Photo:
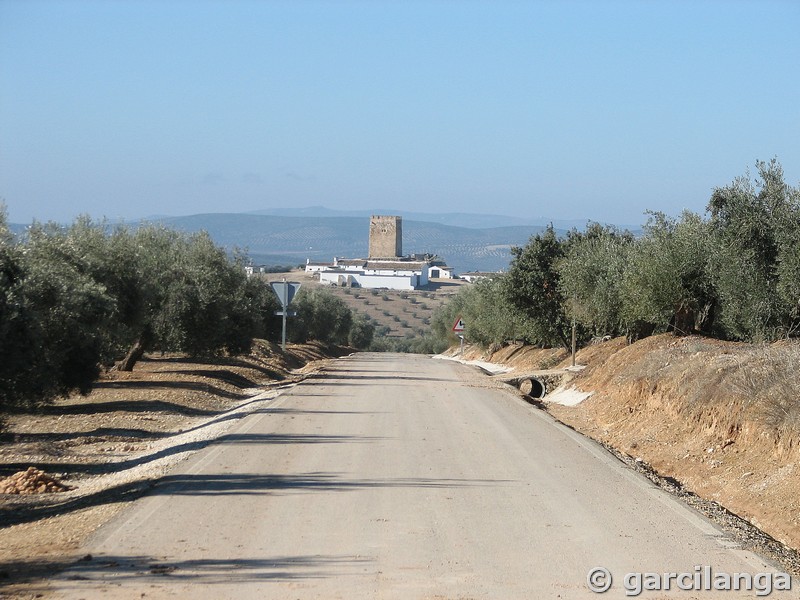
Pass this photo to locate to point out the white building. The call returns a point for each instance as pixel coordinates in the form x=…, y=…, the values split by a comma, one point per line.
x=391, y=274
x=316, y=267
x=250, y=270
x=437, y=268
x=440, y=271
x=474, y=276
x=386, y=267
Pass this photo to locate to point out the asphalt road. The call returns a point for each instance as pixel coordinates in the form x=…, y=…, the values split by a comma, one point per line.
x=395, y=476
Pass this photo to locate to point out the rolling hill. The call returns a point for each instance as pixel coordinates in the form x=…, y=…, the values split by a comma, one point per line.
x=468, y=242
x=276, y=239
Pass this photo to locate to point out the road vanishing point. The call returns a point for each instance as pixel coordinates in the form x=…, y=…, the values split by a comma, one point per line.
x=399, y=476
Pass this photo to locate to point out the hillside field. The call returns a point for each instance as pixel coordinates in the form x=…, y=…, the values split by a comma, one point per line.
x=406, y=314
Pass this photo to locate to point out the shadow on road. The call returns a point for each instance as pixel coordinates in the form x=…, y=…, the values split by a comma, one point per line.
x=224, y=484
x=102, y=468
x=380, y=379
x=298, y=411
x=151, y=571
x=238, y=484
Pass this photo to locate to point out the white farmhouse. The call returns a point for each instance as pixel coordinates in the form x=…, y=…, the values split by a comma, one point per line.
x=317, y=267
x=397, y=274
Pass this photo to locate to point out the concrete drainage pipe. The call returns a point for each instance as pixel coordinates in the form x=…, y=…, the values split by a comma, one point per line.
x=532, y=387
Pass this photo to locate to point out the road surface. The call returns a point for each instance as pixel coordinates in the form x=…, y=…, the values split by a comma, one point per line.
x=400, y=476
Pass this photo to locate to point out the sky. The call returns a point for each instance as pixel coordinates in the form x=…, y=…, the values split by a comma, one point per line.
x=594, y=110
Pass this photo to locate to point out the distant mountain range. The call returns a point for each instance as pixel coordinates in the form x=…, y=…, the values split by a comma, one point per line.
x=274, y=239
x=468, y=220
x=467, y=242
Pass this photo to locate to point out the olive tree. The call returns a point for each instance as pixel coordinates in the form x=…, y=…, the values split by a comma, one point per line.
x=666, y=284
x=362, y=332
x=531, y=287
x=754, y=261
x=55, y=318
x=590, y=278
x=490, y=319
x=190, y=296
x=320, y=316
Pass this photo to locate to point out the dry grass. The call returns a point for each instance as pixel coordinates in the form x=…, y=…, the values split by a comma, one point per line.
x=725, y=390
x=768, y=380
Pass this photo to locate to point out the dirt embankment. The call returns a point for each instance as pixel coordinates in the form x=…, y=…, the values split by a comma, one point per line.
x=721, y=418
x=69, y=468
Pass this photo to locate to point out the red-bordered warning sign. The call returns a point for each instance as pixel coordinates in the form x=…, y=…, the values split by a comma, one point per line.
x=459, y=326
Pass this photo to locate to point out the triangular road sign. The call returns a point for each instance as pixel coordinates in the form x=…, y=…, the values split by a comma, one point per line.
x=285, y=290
x=459, y=326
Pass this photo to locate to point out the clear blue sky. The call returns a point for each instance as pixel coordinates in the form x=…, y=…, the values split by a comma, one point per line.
x=596, y=110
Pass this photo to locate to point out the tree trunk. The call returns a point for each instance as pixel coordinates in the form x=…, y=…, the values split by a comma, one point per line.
x=682, y=321
x=565, y=342
x=134, y=354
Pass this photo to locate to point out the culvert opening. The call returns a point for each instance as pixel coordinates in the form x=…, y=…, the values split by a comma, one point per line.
x=532, y=387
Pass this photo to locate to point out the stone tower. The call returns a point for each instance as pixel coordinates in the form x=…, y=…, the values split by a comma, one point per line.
x=385, y=237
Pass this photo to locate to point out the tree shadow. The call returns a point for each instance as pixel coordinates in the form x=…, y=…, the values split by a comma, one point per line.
x=132, y=406
x=118, y=569
x=229, y=484
x=100, y=434
x=191, y=386
x=225, y=362
x=104, y=468
x=224, y=375
x=122, y=434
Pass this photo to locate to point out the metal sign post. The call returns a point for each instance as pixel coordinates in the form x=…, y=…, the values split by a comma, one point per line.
x=285, y=304
x=285, y=290
x=458, y=329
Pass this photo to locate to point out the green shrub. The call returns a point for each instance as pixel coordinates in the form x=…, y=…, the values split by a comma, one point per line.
x=362, y=332
x=320, y=316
